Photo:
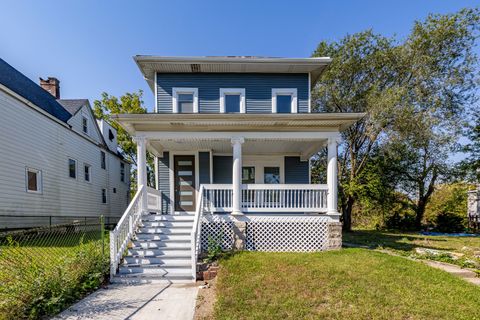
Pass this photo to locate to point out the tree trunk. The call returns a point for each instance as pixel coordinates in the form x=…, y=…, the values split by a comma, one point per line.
x=420, y=211
x=347, y=213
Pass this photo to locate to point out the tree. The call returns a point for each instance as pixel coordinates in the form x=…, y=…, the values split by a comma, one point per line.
x=423, y=83
x=469, y=169
x=357, y=80
x=128, y=103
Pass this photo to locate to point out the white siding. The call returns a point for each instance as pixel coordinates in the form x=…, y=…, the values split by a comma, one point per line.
x=76, y=122
x=30, y=139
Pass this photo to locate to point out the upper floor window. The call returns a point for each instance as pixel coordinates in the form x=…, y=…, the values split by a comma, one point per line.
x=103, y=161
x=87, y=172
x=284, y=100
x=85, y=124
x=122, y=171
x=232, y=100
x=72, y=168
x=33, y=181
x=185, y=100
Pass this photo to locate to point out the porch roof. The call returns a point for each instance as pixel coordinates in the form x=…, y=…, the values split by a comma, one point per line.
x=264, y=134
x=221, y=122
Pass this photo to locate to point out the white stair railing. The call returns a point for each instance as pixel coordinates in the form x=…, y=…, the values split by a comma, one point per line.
x=196, y=229
x=124, y=230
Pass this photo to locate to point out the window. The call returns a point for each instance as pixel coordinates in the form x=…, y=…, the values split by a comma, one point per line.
x=232, y=100
x=72, y=168
x=85, y=124
x=87, y=170
x=271, y=175
x=185, y=100
x=284, y=101
x=33, y=181
x=103, y=162
x=248, y=175
x=122, y=171
x=114, y=190
x=104, y=195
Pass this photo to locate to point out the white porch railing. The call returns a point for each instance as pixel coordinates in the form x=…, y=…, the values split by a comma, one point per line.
x=268, y=197
x=196, y=229
x=124, y=231
x=154, y=199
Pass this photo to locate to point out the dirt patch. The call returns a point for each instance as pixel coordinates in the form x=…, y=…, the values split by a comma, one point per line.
x=205, y=300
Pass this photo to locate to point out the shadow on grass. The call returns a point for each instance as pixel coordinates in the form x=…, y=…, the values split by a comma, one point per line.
x=395, y=240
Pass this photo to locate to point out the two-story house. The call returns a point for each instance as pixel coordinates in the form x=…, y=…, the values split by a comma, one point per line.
x=232, y=139
x=58, y=163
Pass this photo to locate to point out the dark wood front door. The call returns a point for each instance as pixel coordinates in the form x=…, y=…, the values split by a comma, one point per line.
x=184, y=173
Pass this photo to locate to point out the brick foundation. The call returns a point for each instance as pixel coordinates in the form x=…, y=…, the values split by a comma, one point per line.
x=334, y=234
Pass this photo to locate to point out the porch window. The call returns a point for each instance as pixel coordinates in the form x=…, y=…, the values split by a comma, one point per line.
x=284, y=100
x=33, y=180
x=232, y=100
x=271, y=175
x=185, y=100
x=72, y=168
x=248, y=175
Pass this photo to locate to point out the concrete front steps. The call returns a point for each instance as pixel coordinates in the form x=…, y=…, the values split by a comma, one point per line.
x=160, y=250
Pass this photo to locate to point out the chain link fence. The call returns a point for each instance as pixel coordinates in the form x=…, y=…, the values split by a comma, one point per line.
x=43, y=269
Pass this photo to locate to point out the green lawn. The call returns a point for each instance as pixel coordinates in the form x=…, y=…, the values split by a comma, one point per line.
x=345, y=284
x=405, y=243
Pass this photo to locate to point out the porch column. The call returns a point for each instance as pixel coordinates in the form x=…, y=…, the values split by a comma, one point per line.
x=332, y=177
x=142, y=168
x=237, y=175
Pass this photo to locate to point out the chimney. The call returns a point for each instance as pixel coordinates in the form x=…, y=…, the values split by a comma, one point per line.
x=52, y=85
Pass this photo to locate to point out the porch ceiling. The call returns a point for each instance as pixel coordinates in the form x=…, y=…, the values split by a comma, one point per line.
x=303, y=148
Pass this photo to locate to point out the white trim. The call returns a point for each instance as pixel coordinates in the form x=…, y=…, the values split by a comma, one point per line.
x=172, y=178
x=39, y=180
x=232, y=91
x=309, y=92
x=285, y=91
x=268, y=135
x=155, y=93
x=211, y=166
x=155, y=165
x=178, y=90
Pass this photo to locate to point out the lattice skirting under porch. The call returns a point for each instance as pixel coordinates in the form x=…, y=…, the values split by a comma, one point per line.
x=271, y=233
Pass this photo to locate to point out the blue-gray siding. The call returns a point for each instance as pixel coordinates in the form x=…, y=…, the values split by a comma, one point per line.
x=296, y=171
x=164, y=181
x=204, y=164
x=222, y=169
x=258, y=89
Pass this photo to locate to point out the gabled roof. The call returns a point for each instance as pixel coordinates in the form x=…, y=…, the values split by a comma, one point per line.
x=73, y=105
x=149, y=65
x=23, y=86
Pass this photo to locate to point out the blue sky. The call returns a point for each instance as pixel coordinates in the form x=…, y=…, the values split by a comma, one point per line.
x=89, y=45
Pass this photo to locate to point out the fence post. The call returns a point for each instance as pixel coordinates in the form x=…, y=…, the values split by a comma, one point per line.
x=102, y=230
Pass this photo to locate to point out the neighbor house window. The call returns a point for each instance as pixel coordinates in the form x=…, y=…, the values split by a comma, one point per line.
x=284, y=100
x=87, y=172
x=122, y=171
x=185, y=100
x=33, y=179
x=104, y=195
x=103, y=162
x=232, y=100
x=271, y=175
x=72, y=168
x=85, y=124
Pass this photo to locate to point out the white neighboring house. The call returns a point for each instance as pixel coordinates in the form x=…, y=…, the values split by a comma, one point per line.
x=58, y=163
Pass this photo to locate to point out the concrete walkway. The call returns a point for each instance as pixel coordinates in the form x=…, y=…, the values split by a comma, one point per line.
x=137, y=302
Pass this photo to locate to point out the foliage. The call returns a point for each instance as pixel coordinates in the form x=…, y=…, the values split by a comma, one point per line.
x=31, y=288
x=128, y=103
x=469, y=169
x=345, y=284
x=446, y=211
x=214, y=248
x=414, y=93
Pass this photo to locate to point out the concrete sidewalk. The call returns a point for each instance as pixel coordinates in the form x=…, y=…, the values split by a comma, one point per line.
x=137, y=302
